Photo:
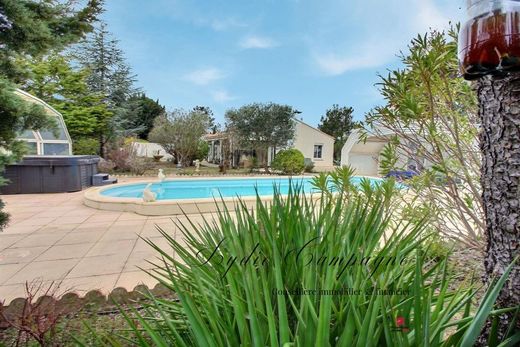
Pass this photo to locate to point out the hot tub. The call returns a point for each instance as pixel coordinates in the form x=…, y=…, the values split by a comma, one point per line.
x=50, y=174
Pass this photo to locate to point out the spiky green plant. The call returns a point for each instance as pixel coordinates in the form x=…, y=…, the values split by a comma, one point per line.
x=237, y=278
x=389, y=157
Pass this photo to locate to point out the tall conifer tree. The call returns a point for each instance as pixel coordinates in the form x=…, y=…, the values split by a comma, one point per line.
x=110, y=76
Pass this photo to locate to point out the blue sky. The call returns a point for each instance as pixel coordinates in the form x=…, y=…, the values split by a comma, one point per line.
x=307, y=54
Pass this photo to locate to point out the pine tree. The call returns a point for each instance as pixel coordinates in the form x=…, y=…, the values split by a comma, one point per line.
x=141, y=112
x=338, y=123
x=213, y=126
x=110, y=77
x=33, y=28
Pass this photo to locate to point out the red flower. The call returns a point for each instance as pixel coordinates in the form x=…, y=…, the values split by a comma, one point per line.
x=399, y=321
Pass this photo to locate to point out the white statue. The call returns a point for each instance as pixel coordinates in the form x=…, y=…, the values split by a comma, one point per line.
x=197, y=165
x=148, y=195
x=161, y=175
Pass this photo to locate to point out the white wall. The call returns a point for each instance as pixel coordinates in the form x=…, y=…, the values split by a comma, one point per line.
x=347, y=147
x=305, y=139
x=364, y=157
x=149, y=149
x=364, y=164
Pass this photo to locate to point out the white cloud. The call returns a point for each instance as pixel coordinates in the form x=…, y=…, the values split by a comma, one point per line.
x=196, y=13
x=260, y=42
x=222, y=96
x=204, y=76
x=332, y=64
x=368, y=56
x=222, y=24
x=378, y=39
x=428, y=15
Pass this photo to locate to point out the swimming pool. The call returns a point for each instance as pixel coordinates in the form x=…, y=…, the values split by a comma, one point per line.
x=193, y=195
x=211, y=188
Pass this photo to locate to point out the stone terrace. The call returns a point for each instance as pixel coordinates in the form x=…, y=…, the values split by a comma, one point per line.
x=54, y=237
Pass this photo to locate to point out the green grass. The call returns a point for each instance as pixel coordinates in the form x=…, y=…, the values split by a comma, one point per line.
x=170, y=169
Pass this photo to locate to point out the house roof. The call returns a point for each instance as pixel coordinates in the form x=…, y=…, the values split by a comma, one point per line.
x=216, y=136
x=223, y=134
x=313, y=128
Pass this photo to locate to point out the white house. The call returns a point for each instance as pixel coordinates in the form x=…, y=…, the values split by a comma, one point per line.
x=363, y=154
x=315, y=145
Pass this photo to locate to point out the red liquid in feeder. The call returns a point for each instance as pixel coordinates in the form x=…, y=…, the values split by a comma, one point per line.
x=490, y=44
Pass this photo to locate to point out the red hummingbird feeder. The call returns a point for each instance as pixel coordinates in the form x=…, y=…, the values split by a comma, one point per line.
x=489, y=43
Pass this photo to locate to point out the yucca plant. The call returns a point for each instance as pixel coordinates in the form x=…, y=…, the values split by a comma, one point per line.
x=305, y=271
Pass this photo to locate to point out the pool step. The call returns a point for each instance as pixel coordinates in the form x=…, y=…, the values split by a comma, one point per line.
x=102, y=179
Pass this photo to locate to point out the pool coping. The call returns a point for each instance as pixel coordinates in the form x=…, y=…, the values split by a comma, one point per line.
x=94, y=199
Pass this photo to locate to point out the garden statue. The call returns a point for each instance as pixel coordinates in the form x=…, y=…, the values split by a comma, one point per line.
x=148, y=195
x=197, y=165
x=157, y=156
x=161, y=175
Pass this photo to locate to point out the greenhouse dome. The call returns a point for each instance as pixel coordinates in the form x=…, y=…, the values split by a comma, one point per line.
x=45, y=142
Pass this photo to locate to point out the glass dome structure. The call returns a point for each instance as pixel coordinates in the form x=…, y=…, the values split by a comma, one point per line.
x=45, y=142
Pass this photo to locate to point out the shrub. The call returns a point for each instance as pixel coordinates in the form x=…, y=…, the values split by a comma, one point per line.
x=254, y=164
x=119, y=156
x=179, y=133
x=432, y=137
x=38, y=320
x=106, y=166
x=309, y=165
x=289, y=162
x=202, y=150
x=125, y=159
x=137, y=165
x=4, y=217
x=86, y=146
x=239, y=281
x=43, y=319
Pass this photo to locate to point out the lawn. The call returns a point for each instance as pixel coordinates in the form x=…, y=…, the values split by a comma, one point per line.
x=170, y=169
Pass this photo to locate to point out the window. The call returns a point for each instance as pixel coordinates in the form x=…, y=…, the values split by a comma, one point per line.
x=55, y=149
x=28, y=134
x=47, y=134
x=46, y=141
x=32, y=148
x=318, y=150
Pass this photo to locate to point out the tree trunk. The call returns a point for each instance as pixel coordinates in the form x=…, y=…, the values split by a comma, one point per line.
x=102, y=147
x=499, y=111
x=266, y=160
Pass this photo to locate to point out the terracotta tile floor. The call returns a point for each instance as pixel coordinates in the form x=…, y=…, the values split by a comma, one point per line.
x=54, y=237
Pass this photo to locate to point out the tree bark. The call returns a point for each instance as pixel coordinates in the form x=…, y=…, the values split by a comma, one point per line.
x=102, y=147
x=499, y=111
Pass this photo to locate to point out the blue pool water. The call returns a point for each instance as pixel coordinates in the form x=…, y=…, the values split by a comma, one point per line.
x=209, y=188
